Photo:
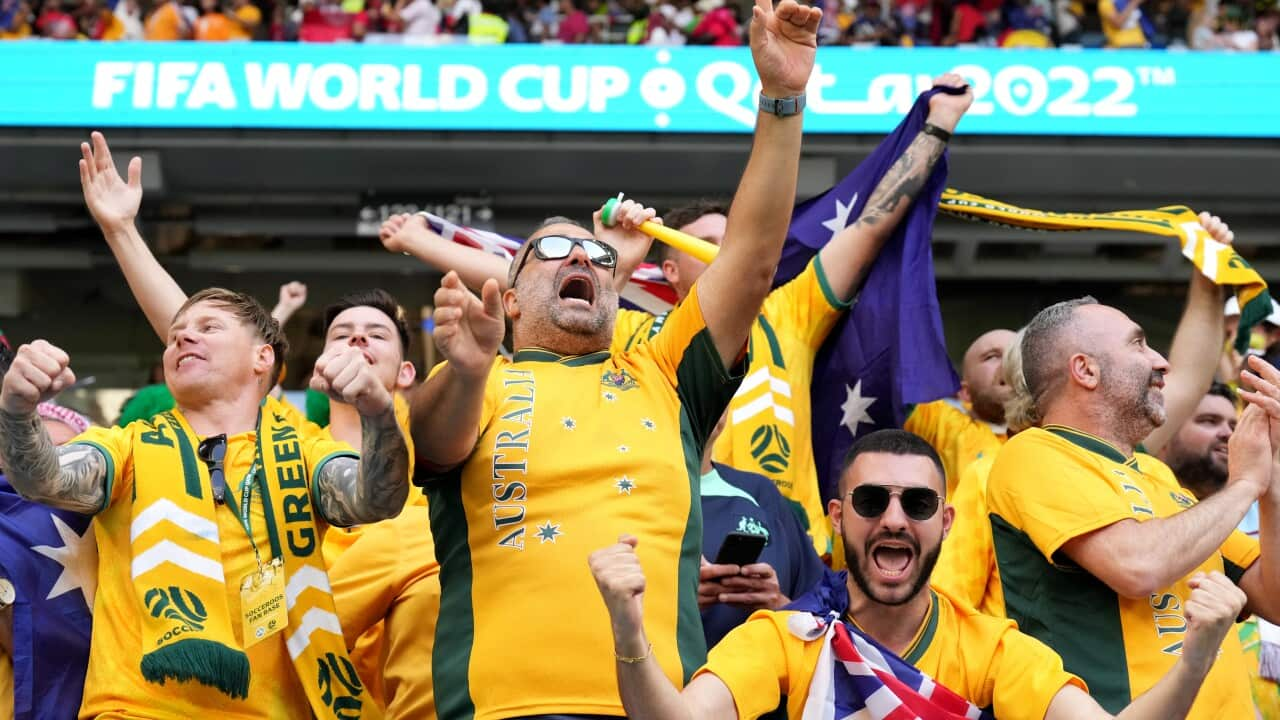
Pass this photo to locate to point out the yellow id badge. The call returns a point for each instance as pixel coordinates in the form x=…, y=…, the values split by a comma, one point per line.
x=262, y=602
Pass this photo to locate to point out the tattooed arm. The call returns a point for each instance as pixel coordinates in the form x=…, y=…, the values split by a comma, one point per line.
x=846, y=259
x=374, y=488
x=72, y=477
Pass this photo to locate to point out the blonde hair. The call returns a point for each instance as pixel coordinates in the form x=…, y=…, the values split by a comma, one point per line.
x=1020, y=410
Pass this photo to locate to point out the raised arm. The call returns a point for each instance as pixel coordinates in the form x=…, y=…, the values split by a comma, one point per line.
x=1261, y=581
x=71, y=477
x=113, y=203
x=846, y=259
x=1196, y=348
x=1136, y=559
x=783, y=42
x=445, y=410
x=646, y=692
x=375, y=487
x=293, y=295
x=409, y=234
x=1210, y=611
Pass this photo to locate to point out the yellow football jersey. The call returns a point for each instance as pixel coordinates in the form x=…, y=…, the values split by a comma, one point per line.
x=386, y=589
x=769, y=430
x=380, y=569
x=959, y=437
x=572, y=453
x=6, y=685
x=981, y=658
x=1051, y=485
x=114, y=685
x=966, y=567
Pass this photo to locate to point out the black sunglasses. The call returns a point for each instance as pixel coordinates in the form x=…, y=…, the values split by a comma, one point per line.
x=212, y=451
x=558, y=247
x=870, y=501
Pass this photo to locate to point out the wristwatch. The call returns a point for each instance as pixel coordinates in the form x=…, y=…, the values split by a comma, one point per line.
x=782, y=107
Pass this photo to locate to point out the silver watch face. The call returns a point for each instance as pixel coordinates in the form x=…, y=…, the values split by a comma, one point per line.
x=7, y=593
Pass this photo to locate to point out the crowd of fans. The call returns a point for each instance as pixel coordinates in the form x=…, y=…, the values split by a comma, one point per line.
x=1123, y=513
x=1242, y=25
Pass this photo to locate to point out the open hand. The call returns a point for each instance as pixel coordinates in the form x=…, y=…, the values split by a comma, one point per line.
x=783, y=43
x=112, y=201
x=469, y=330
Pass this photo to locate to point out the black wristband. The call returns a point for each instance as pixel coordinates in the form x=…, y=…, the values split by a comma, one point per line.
x=934, y=130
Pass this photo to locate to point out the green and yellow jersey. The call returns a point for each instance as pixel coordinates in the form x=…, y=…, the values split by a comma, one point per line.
x=983, y=659
x=1051, y=485
x=573, y=452
x=114, y=685
x=769, y=429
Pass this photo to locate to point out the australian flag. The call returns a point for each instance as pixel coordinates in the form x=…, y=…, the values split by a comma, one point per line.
x=889, y=353
x=857, y=677
x=50, y=559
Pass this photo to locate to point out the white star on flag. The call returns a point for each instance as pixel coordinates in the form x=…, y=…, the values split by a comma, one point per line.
x=841, y=220
x=855, y=408
x=78, y=557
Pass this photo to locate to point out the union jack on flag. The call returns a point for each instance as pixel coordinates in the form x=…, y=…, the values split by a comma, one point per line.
x=859, y=679
x=648, y=290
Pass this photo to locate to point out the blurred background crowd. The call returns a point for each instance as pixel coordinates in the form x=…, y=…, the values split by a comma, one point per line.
x=1238, y=25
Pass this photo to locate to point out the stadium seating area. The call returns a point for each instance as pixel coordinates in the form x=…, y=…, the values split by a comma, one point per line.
x=1237, y=25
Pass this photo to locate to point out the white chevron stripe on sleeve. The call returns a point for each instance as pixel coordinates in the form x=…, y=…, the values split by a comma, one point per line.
x=309, y=576
x=162, y=510
x=166, y=551
x=315, y=619
x=759, y=405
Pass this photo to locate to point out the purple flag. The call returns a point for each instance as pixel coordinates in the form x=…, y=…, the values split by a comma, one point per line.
x=889, y=353
x=50, y=558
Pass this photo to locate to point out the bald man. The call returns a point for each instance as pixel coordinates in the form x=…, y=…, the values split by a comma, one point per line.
x=1095, y=542
x=970, y=426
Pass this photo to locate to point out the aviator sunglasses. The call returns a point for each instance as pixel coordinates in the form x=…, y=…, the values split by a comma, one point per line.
x=870, y=501
x=558, y=247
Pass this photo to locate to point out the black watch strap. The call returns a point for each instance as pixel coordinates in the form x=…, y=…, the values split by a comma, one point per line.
x=934, y=130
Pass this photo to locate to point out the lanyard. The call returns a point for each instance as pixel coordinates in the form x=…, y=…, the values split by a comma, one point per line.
x=251, y=479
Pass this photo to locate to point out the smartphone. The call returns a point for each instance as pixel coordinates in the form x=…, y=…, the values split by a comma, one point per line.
x=740, y=549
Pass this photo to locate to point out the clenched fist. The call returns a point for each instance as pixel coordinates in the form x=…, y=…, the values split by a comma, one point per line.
x=1211, y=610
x=38, y=373
x=621, y=581
x=346, y=375
x=399, y=230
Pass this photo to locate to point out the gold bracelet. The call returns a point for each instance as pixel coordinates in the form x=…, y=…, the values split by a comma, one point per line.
x=634, y=660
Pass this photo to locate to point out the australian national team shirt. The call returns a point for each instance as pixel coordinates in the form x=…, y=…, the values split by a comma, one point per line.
x=573, y=452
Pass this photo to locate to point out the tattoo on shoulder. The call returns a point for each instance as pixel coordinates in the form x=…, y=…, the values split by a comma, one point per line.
x=372, y=488
x=71, y=477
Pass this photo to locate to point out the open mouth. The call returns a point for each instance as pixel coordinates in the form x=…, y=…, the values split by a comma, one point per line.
x=182, y=359
x=892, y=559
x=578, y=289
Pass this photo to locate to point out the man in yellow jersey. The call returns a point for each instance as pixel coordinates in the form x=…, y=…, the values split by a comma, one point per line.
x=544, y=456
x=1096, y=545
x=768, y=430
x=967, y=567
x=967, y=564
x=970, y=426
x=973, y=425
x=892, y=518
x=375, y=575
x=1197, y=455
x=212, y=595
